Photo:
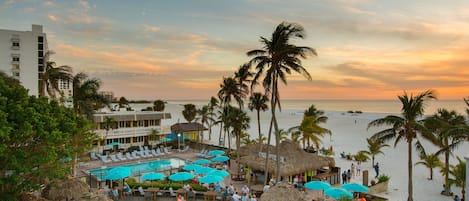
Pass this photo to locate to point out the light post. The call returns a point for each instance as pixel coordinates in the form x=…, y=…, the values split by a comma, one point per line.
x=179, y=140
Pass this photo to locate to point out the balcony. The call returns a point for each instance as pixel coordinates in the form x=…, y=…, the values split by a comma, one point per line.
x=133, y=132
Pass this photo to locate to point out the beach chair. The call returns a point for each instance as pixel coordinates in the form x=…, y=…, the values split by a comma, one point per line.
x=148, y=153
x=166, y=151
x=202, y=153
x=140, y=148
x=104, y=159
x=142, y=154
x=129, y=156
x=134, y=154
x=158, y=151
x=154, y=152
x=186, y=148
x=121, y=157
x=93, y=156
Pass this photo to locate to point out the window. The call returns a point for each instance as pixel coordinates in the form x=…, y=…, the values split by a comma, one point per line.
x=15, y=66
x=17, y=74
x=40, y=39
x=40, y=68
x=40, y=53
x=15, y=58
x=15, y=44
x=40, y=61
x=40, y=46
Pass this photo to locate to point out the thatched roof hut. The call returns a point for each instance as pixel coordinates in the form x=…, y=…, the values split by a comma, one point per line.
x=295, y=160
x=283, y=192
x=70, y=189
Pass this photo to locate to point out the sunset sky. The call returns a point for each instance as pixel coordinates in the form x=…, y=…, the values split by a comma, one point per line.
x=182, y=49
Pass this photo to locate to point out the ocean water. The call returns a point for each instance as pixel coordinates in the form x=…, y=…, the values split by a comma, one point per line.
x=368, y=106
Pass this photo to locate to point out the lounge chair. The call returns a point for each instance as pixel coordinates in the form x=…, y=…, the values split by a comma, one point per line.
x=158, y=151
x=129, y=156
x=113, y=158
x=104, y=159
x=166, y=151
x=186, y=148
x=154, y=152
x=202, y=153
x=134, y=154
x=143, y=154
x=93, y=156
x=148, y=153
x=121, y=157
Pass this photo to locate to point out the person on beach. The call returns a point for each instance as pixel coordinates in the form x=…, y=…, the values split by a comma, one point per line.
x=180, y=198
x=376, y=170
x=456, y=198
x=349, y=175
x=344, y=177
x=359, y=168
x=353, y=170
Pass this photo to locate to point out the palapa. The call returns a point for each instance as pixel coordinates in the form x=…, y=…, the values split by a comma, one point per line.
x=70, y=189
x=296, y=161
x=283, y=192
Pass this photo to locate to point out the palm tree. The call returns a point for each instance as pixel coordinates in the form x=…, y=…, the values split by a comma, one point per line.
x=296, y=136
x=203, y=116
x=109, y=123
x=189, y=112
x=278, y=58
x=243, y=76
x=51, y=76
x=448, y=128
x=245, y=139
x=405, y=127
x=230, y=89
x=158, y=105
x=374, y=148
x=123, y=102
x=238, y=122
x=258, y=102
x=154, y=135
x=283, y=135
x=458, y=172
x=86, y=96
x=430, y=161
x=211, y=111
x=310, y=128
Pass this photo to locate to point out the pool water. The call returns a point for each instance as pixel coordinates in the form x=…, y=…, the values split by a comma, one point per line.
x=139, y=168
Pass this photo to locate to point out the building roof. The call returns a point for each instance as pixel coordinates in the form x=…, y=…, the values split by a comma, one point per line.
x=134, y=116
x=185, y=127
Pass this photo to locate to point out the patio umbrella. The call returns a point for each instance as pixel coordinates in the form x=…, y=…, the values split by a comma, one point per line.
x=153, y=176
x=181, y=176
x=337, y=193
x=210, y=179
x=221, y=158
x=202, y=161
x=166, y=139
x=191, y=167
x=354, y=187
x=221, y=173
x=203, y=170
x=216, y=152
x=118, y=173
x=113, y=144
x=317, y=185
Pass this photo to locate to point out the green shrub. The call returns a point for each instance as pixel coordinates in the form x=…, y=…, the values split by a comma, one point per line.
x=343, y=198
x=383, y=178
x=372, y=182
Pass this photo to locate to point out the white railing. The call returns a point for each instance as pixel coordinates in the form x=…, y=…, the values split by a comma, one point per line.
x=133, y=132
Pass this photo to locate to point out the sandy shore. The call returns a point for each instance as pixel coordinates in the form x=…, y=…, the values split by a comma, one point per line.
x=349, y=133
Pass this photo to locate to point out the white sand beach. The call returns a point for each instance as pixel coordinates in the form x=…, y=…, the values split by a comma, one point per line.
x=349, y=134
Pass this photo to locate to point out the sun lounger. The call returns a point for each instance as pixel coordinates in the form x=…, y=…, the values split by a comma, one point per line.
x=158, y=151
x=186, y=148
x=129, y=156
x=93, y=156
x=104, y=159
x=154, y=153
x=166, y=151
x=113, y=158
x=134, y=154
x=121, y=157
x=202, y=153
x=148, y=153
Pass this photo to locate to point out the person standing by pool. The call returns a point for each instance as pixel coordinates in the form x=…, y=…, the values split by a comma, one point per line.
x=115, y=194
x=376, y=170
x=359, y=168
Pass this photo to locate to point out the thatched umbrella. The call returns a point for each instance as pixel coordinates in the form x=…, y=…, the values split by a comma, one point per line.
x=283, y=192
x=69, y=189
x=296, y=160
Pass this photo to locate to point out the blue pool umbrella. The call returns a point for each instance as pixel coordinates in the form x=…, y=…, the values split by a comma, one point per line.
x=210, y=179
x=216, y=152
x=203, y=170
x=202, y=161
x=191, y=167
x=337, y=193
x=153, y=176
x=118, y=173
x=354, y=187
x=221, y=158
x=165, y=139
x=317, y=185
x=221, y=173
x=113, y=144
x=181, y=176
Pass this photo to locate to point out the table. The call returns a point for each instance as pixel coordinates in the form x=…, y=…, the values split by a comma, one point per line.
x=154, y=193
x=237, y=176
x=210, y=195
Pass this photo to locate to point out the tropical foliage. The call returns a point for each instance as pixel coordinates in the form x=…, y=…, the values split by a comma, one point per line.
x=310, y=127
x=52, y=75
x=374, y=148
x=274, y=62
x=86, y=96
x=458, y=172
x=189, y=112
x=258, y=102
x=405, y=127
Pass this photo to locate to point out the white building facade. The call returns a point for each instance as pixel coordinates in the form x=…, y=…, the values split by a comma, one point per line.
x=22, y=56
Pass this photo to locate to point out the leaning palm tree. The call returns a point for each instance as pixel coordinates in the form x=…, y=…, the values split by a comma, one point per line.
x=277, y=59
x=405, y=127
x=374, y=148
x=448, y=129
x=258, y=102
x=86, y=96
x=52, y=75
x=458, y=172
x=243, y=76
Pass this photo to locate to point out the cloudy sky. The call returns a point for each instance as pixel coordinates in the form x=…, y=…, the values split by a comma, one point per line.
x=182, y=49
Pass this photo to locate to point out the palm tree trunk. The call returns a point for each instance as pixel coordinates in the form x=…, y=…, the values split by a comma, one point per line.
x=219, y=137
x=259, y=126
x=238, y=144
x=431, y=173
x=267, y=152
x=210, y=132
x=229, y=141
x=446, y=172
x=409, y=165
x=277, y=147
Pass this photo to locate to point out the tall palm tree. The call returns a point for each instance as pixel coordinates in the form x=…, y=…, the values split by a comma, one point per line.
x=229, y=90
x=51, y=76
x=448, y=128
x=238, y=122
x=189, y=112
x=108, y=124
x=277, y=59
x=458, y=172
x=203, y=116
x=212, y=105
x=374, y=148
x=258, y=102
x=405, y=127
x=86, y=96
x=243, y=76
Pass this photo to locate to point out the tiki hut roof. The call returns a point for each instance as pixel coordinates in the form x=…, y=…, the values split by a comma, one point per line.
x=187, y=127
x=71, y=189
x=294, y=160
x=283, y=192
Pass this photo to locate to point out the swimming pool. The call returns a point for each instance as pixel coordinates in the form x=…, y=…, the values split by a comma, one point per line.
x=139, y=168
